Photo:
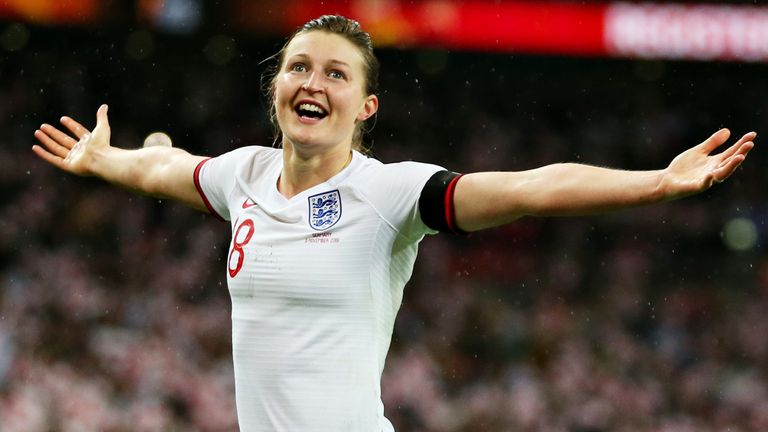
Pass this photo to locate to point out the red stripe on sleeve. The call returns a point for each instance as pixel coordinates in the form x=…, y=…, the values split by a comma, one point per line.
x=202, y=194
x=450, y=212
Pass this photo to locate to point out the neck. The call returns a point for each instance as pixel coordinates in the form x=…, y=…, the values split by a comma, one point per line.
x=301, y=172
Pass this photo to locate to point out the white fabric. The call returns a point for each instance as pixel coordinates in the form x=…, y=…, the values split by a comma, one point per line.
x=313, y=308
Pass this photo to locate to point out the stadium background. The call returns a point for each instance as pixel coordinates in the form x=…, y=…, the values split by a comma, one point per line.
x=114, y=314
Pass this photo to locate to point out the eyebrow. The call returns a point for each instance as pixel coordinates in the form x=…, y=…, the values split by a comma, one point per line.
x=337, y=62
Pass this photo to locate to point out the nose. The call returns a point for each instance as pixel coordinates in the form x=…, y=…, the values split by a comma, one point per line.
x=312, y=84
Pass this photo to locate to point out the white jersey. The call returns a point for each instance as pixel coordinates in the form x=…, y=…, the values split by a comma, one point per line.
x=316, y=282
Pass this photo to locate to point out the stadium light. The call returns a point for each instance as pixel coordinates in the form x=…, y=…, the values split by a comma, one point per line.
x=618, y=29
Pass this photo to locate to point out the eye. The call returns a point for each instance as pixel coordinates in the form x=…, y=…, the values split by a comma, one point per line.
x=336, y=74
x=298, y=67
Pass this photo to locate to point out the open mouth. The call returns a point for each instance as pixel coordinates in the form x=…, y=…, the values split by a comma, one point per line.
x=310, y=111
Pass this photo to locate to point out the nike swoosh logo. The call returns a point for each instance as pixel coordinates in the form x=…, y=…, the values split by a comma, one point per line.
x=247, y=204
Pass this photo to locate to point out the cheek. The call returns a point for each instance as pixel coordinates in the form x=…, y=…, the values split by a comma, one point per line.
x=349, y=101
x=282, y=89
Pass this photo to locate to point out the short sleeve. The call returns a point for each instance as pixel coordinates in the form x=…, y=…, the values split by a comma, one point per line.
x=215, y=179
x=394, y=190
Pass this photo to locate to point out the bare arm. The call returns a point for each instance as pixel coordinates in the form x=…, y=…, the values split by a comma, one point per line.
x=488, y=199
x=163, y=172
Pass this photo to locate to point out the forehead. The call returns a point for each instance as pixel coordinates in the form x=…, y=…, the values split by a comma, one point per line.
x=324, y=47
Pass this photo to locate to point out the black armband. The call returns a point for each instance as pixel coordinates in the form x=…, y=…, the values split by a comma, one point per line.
x=436, y=202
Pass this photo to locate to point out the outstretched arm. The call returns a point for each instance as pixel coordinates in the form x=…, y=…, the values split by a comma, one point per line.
x=162, y=172
x=488, y=199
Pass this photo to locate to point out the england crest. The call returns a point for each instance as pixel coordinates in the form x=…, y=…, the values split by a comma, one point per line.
x=324, y=210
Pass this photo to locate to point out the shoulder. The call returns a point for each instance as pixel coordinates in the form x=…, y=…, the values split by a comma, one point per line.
x=373, y=177
x=393, y=191
x=246, y=162
x=399, y=172
x=247, y=159
x=250, y=152
x=372, y=166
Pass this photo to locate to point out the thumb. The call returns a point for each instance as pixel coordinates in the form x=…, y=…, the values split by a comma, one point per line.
x=716, y=140
x=101, y=116
x=102, y=122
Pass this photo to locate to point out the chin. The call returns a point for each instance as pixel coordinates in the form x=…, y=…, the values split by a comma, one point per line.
x=312, y=138
x=305, y=141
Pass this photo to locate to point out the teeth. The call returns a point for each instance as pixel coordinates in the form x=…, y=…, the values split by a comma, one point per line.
x=310, y=107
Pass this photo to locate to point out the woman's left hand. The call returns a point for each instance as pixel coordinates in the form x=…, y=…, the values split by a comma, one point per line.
x=696, y=169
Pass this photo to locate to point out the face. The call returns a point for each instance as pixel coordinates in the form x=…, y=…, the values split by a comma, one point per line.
x=320, y=92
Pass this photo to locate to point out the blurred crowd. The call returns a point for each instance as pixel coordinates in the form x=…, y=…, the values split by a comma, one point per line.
x=114, y=311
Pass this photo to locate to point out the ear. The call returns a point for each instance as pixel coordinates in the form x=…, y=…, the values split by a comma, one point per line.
x=370, y=107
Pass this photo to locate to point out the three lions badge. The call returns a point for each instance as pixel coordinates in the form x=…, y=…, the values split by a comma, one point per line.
x=324, y=210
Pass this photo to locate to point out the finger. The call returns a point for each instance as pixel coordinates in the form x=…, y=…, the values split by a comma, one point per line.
x=101, y=115
x=76, y=128
x=736, y=148
x=49, y=157
x=743, y=150
x=726, y=170
x=58, y=136
x=102, y=122
x=51, y=145
x=716, y=140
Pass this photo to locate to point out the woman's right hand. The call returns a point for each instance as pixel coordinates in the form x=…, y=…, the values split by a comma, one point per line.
x=69, y=154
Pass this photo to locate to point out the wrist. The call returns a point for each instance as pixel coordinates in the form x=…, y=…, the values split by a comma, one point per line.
x=96, y=162
x=665, y=190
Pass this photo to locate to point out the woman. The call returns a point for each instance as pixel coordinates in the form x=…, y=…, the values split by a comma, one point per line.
x=324, y=238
